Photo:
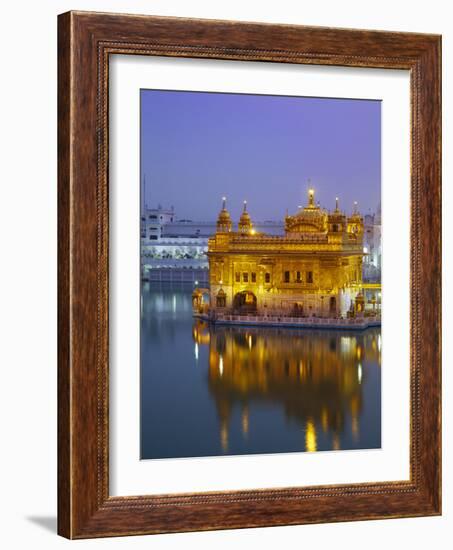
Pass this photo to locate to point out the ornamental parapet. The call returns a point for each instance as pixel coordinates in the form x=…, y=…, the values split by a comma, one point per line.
x=282, y=244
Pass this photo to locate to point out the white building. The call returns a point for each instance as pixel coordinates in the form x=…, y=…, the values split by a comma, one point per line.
x=167, y=240
x=372, y=246
x=153, y=220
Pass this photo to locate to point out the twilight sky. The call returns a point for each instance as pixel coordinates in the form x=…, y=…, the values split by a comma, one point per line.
x=198, y=146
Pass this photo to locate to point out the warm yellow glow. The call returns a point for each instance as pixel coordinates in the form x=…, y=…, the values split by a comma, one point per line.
x=324, y=419
x=300, y=367
x=355, y=428
x=245, y=421
x=310, y=437
x=224, y=437
x=336, y=443
x=236, y=265
x=311, y=368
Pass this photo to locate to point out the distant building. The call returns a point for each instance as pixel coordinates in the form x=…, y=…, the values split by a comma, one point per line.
x=372, y=246
x=170, y=243
x=153, y=221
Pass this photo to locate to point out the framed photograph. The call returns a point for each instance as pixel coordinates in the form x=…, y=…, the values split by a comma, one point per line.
x=249, y=275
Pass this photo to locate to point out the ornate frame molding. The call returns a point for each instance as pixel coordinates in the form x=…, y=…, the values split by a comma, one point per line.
x=86, y=40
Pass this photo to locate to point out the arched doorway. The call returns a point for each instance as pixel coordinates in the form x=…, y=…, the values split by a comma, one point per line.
x=333, y=304
x=298, y=309
x=245, y=302
x=221, y=298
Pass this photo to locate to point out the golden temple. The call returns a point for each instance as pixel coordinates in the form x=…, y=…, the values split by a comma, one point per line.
x=313, y=270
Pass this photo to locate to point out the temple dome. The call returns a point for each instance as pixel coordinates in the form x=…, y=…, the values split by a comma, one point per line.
x=310, y=219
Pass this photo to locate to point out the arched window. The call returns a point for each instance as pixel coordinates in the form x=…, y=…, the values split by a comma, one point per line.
x=221, y=298
x=333, y=304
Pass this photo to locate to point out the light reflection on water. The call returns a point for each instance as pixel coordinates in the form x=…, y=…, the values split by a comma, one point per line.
x=239, y=390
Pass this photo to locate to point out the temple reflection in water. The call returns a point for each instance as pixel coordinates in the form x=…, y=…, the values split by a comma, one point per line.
x=315, y=377
x=210, y=390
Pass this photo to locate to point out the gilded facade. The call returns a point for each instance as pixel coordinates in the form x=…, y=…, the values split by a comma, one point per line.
x=314, y=269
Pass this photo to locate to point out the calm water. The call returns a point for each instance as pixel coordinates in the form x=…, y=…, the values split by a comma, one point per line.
x=221, y=390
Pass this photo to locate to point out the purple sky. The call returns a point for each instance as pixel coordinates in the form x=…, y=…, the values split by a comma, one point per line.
x=197, y=147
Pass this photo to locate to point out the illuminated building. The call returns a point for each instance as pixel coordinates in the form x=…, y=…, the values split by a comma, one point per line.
x=314, y=269
x=175, y=249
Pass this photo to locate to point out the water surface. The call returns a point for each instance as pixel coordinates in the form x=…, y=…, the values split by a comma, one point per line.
x=209, y=391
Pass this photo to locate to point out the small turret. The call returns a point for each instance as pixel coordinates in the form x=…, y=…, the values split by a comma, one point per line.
x=224, y=220
x=245, y=223
x=337, y=220
x=355, y=223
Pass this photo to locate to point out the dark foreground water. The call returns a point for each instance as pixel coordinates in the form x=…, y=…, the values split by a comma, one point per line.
x=221, y=390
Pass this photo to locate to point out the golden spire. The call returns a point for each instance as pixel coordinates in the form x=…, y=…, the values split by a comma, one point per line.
x=245, y=223
x=311, y=197
x=336, y=204
x=224, y=220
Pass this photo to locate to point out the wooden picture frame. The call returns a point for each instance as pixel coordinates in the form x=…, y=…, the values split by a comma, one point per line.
x=85, y=42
